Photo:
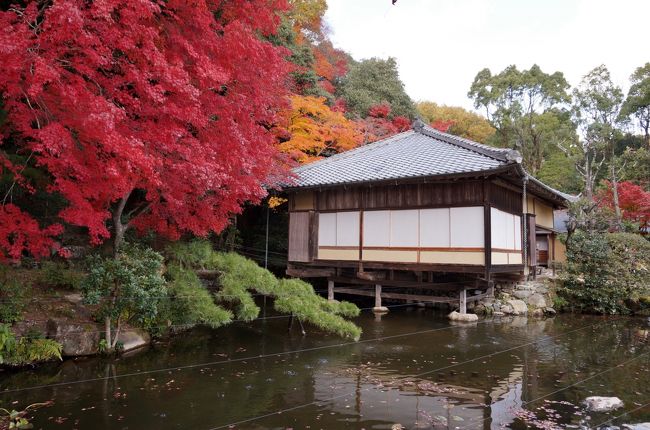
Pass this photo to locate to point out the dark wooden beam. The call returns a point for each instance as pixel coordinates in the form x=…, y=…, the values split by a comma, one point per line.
x=310, y=272
x=402, y=296
x=444, y=268
x=444, y=286
x=510, y=268
x=313, y=235
x=372, y=276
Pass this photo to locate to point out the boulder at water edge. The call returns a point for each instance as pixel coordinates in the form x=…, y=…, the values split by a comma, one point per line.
x=77, y=339
x=456, y=316
x=518, y=307
x=537, y=301
x=133, y=339
x=603, y=404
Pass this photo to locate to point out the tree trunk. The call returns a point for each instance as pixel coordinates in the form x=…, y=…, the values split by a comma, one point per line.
x=118, y=227
x=107, y=332
x=589, y=193
x=617, y=206
x=116, y=334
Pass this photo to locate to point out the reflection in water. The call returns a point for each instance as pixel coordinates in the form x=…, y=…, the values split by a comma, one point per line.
x=461, y=376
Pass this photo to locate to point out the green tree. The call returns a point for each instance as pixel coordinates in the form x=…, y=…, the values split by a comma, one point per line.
x=635, y=166
x=637, y=103
x=127, y=288
x=372, y=82
x=521, y=105
x=597, y=106
x=559, y=172
x=304, y=77
x=461, y=122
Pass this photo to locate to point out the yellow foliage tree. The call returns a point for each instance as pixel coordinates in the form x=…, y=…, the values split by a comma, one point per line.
x=308, y=14
x=315, y=130
x=460, y=122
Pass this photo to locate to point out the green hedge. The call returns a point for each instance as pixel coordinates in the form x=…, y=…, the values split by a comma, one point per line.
x=606, y=273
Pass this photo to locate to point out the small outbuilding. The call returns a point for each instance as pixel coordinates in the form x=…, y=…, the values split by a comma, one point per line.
x=421, y=210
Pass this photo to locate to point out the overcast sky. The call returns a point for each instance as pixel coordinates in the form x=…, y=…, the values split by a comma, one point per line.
x=440, y=45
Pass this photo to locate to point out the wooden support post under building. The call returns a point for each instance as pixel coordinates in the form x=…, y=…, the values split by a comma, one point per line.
x=330, y=290
x=463, y=301
x=490, y=289
x=378, y=307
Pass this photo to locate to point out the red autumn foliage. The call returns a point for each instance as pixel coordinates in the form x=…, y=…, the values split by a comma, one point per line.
x=19, y=232
x=401, y=123
x=327, y=86
x=157, y=111
x=340, y=106
x=442, y=125
x=379, y=111
x=330, y=63
x=378, y=126
x=634, y=202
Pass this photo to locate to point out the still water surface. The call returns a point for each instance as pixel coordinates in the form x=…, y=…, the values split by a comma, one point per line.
x=425, y=373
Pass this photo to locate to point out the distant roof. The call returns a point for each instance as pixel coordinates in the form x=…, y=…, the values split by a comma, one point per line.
x=418, y=153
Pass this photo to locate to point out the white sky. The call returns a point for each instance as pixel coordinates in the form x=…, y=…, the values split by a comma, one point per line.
x=440, y=45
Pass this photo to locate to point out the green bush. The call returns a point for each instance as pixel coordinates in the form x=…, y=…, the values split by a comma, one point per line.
x=13, y=297
x=26, y=350
x=129, y=289
x=607, y=273
x=60, y=275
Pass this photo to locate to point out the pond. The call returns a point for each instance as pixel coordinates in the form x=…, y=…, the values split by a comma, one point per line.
x=412, y=368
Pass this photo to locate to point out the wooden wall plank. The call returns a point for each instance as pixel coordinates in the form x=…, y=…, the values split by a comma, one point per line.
x=300, y=240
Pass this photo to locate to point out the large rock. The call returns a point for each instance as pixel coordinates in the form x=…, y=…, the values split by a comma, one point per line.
x=518, y=307
x=77, y=339
x=133, y=339
x=550, y=311
x=542, y=289
x=522, y=294
x=538, y=312
x=456, y=316
x=537, y=300
x=603, y=404
x=506, y=309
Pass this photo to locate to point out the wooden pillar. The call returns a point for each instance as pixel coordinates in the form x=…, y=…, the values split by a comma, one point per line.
x=377, y=296
x=490, y=289
x=330, y=290
x=378, y=307
x=487, y=231
x=553, y=251
x=463, y=301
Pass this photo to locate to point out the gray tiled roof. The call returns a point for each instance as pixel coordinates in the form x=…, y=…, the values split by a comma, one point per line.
x=420, y=152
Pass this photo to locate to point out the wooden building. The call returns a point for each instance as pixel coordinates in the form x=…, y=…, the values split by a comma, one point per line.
x=421, y=210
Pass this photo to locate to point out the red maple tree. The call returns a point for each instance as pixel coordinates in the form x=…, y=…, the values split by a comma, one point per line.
x=443, y=125
x=379, y=125
x=634, y=202
x=145, y=114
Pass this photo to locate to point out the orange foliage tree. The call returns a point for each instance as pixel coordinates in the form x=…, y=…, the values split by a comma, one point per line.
x=313, y=130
